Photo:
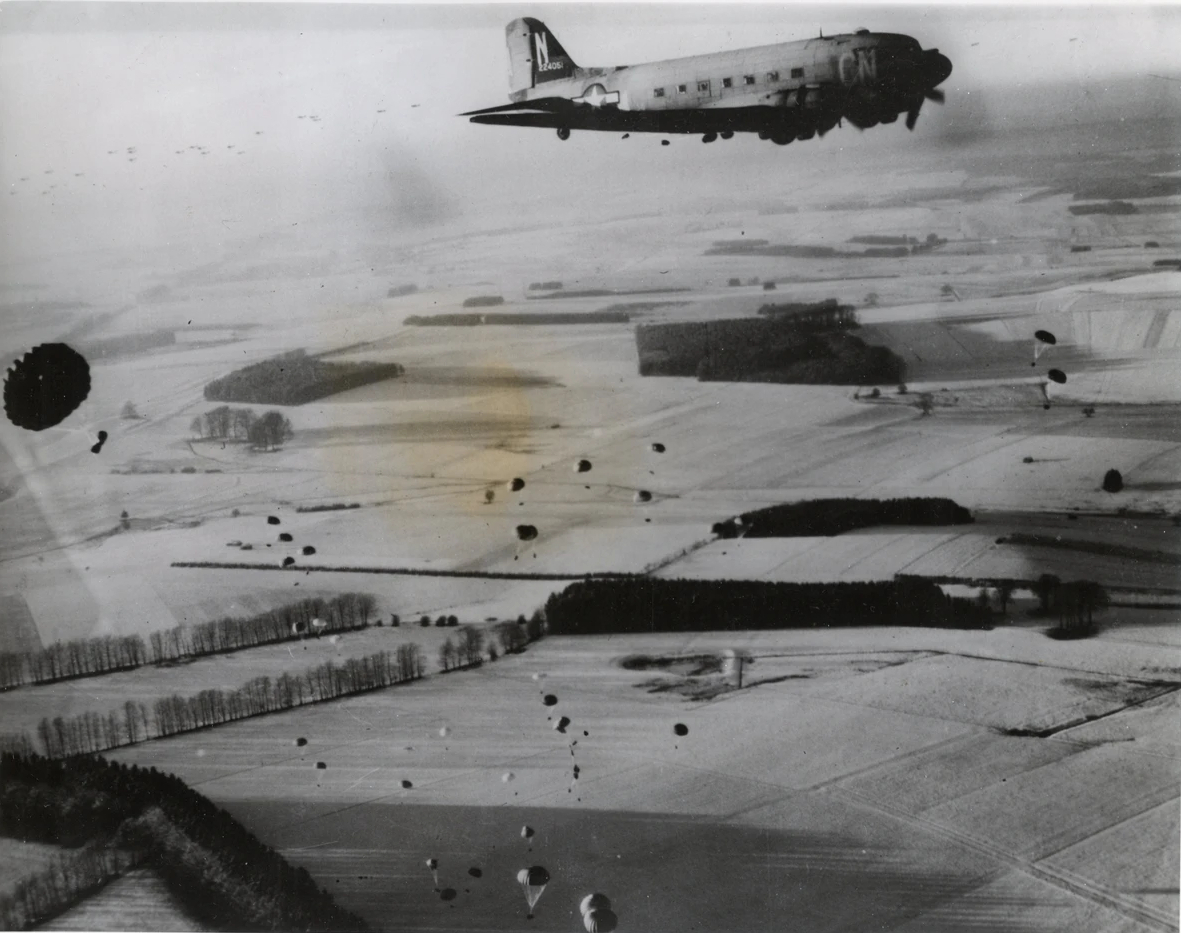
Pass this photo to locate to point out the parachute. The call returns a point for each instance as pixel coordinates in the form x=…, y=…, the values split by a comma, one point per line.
x=406, y=785
x=433, y=865
x=319, y=624
x=526, y=832
x=533, y=881
x=1042, y=340
x=550, y=700
x=599, y=921
x=517, y=484
x=642, y=495
x=526, y=532
x=444, y=732
x=298, y=628
x=562, y=723
x=681, y=729
x=448, y=894
x=658, y=448
x=1057, y=375
x=507, y=776
x=594, y=902
x=582, y=466
x=301, y=741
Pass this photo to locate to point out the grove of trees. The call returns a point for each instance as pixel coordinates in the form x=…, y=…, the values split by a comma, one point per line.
x=243, y=424
x=295, y=378
x=826, y=517
x=647, y=604
x=814, y=348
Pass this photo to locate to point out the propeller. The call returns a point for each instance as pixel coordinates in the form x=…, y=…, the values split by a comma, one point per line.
x=935, y=70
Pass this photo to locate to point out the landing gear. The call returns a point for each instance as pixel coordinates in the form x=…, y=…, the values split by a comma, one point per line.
x=727, y=134
x=563, y=132
x=709, y=137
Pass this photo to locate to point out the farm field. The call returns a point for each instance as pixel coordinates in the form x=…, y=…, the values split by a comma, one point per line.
x=137, y=901
x=872, y=762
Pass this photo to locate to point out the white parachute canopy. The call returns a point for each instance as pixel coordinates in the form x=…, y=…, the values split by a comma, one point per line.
x=533, y=881
x=433, y=865
x=594, y=901
x=319, y=624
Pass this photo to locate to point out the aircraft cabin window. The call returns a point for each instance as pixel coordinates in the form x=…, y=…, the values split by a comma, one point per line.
x=748, y=79
x=703, y=87
x=727, y=82
x=797, y=72
x=682, y=89
x=772, y=75
x=658, y=92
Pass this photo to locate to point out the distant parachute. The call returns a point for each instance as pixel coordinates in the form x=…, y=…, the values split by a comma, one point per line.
x=642, y=495
x=444, y=732
x=1058, y=376
x=526, y=832
x=550, y=700
x=533, y=881
x=582, y=466
x=288, y=561
x=602, y=920
x=562, y=724
x=447, y=894
x=516, y=484
x=658, y=448
x=1042, y=341
x=526, y=532
x=433, y=865
x=507, y=776
x=681, y=729
x=298, y=628
x=406, y=785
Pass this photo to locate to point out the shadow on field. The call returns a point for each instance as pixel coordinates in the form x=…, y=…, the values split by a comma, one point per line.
x=661, y=872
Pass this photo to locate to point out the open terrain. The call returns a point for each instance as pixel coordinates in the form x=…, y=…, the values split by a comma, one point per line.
x=862, y=779
x=873, y=763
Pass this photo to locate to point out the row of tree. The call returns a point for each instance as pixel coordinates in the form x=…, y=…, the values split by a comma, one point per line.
x=466, y=651
x=243, y=424
x=91, y=732
x=69, y=878
x=86, y=657
x=222, y=874
x=294, y=378
x=646, y=604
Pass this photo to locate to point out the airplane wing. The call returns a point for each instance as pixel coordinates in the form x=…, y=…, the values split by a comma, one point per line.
x=548, y=104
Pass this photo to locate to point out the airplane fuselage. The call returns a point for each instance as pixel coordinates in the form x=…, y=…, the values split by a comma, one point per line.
x=786, y=91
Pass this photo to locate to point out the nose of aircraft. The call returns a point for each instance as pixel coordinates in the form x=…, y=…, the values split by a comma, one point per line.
x=937, y=67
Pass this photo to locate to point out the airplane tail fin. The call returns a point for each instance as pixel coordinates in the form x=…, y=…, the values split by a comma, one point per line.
x=535, y=55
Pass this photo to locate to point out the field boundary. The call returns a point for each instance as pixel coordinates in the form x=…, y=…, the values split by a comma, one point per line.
x=404, y=571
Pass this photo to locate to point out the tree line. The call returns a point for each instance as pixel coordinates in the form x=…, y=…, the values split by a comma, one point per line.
x=105, y=654
x=91, y=732
x=294, y=378
x=243, y=424
x=826, y=517
x=221, y=873
x=644, y=604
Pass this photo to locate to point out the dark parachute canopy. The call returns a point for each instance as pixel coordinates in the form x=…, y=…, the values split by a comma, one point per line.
x=1045, y=337
x=562, y=724
x=643, y=495
x=1057, y=375
x=582, y=466
x=517, y=484
x=602, y=920
x=658, y=448
x=526, y=532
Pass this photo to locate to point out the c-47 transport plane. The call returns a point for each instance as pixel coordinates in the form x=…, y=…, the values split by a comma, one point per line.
x=783, y=92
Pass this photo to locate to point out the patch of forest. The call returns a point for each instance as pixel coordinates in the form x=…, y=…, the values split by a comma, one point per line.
x=827, y=517
x=813, y=348
x=608, y=292
x=295, y=378
x=646, y=604
x=110, y=817
x=518, y=319
x=87, y=657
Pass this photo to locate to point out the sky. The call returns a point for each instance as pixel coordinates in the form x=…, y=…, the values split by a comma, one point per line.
x=85, y=82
